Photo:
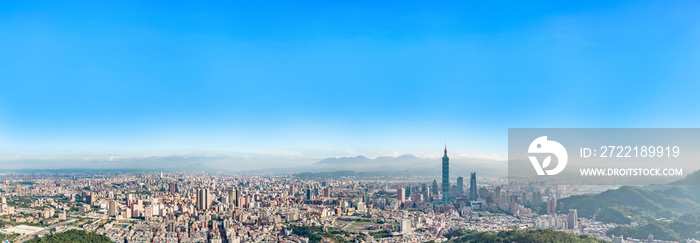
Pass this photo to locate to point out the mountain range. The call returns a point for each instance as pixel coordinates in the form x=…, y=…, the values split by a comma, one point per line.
x=412, y=163
x=407, y=164
x=669, y=212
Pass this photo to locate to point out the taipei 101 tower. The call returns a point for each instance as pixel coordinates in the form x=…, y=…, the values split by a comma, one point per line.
x=445, y=178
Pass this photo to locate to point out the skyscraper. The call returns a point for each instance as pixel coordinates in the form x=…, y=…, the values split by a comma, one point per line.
x=172, y=187
x=232, y=196
x=445, y=178
x=400, y=195
x=239, y=200
x=112, y=208
x=405, y=226
x=572, y=219
x=472, y=187
x=434, y=189
x=552, y=205
x=92, y=198
x=460, y=186
x=202, y=199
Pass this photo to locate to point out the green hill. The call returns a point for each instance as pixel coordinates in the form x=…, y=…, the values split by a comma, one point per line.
x=667, y=212
x=628, y=204
x=72, y=236
x=642, y=232
x=545, y=235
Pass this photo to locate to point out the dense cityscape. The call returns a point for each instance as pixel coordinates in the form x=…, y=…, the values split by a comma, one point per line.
x=216, y=208
x=285, y=121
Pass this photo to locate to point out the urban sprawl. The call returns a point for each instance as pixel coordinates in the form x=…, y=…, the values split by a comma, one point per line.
x=216, y=208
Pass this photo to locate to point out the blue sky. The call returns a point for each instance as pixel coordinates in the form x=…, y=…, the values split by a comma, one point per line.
x=334, y=78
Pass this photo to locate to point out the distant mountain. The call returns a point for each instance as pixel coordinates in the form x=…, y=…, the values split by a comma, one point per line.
x=346, y=174
x=411, y=165
x=149, y=163
x=363, y=163
x=691, y=179
x=344, y=160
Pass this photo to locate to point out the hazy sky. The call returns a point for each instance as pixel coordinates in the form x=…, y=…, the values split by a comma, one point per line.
x=330, y=78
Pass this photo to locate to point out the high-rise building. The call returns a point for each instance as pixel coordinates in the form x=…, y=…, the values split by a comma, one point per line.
x=484, y=193
x=434, y=189
x=460, y=186
x=232, y=196
x=148, y=211
x=537, y=197
x=202, y=199
x=172, y=187
x=112, y=208
x=92, y=198
x=308, y=194
x=453, y=190
x=401, y=195
x=327, y=192
x=199, y=198
x=572, y=219
x=497, y=195
x=445, y=178
x=473, y=195
x=552, y=205
x=405, y=226
x=239, y=199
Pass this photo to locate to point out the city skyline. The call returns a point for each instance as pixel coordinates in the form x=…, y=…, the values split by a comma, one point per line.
x=309, y=122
